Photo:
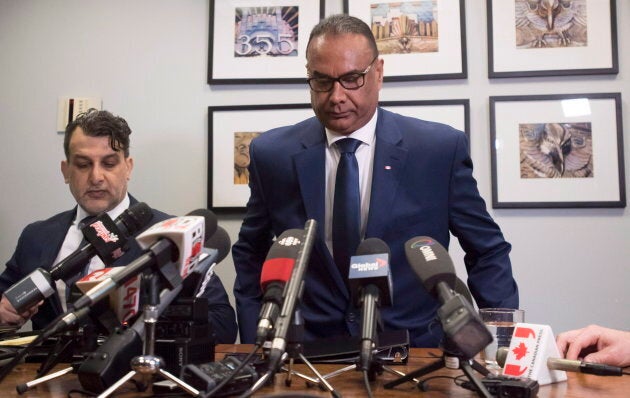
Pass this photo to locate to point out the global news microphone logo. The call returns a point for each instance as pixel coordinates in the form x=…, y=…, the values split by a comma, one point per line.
x=379, y=263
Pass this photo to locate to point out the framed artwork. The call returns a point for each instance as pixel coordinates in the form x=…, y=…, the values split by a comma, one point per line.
x=230, y=131
x=454, y=112
x=419, y=39
x=260, y=41
x=535, y=38
x=557, y=151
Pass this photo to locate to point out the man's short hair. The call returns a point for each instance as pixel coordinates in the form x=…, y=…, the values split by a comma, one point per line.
x=97, y=123
x=341, y=24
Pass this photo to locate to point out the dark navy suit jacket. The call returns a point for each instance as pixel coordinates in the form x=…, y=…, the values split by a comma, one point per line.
x=40, y=243
x=422, y=185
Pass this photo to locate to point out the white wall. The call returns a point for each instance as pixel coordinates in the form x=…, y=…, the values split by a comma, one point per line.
x=147, y=60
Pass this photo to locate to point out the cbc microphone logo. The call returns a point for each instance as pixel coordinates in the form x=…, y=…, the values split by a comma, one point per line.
x=289, y=241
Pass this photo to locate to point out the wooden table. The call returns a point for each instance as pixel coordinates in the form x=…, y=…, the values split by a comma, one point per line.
x=349, y=384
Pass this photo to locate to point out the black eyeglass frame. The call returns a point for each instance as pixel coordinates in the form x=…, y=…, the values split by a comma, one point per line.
x=332, y=80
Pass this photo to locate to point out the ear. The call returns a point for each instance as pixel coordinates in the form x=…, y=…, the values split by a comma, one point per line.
x=65, y=171
x=379, y=71
x=129, y=162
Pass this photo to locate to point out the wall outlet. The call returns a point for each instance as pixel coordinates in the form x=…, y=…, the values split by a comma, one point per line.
x=69, y=108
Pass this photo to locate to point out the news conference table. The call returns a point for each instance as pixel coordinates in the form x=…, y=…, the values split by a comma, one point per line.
x=348, y=384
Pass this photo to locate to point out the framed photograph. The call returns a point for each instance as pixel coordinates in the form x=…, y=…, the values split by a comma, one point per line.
x=557, y=151
x=535, y=38
x=260, y=41
x=454, y=112
x=417, y=39
x=230, y=131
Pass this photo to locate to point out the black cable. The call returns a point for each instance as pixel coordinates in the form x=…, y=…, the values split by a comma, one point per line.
x=626, y=373
x=245, y=361
x=422, y=385
x=366, y=381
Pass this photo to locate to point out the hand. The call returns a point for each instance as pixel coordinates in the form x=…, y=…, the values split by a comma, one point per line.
x=8, y=314
x=607, y=346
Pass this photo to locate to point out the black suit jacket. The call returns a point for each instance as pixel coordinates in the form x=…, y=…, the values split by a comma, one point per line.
x=41, y=241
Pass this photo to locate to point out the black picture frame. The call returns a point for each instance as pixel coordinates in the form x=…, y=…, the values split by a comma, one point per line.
x=528, y=134
x=449, y=61
x=225, y=194
x=283, y=63
x=590, y=41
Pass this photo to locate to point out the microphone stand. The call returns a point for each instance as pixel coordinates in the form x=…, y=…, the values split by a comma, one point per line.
x=149, y=364
x=451, y=359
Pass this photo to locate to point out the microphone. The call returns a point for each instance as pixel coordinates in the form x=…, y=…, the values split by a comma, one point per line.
x=370, y=285
x=105, y=238
x=292, y=292
x=460, y=322
x=276, y=271
x=569, y=365
x=174, y=246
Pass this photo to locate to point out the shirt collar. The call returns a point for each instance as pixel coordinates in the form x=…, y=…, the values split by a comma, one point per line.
x=365, y=134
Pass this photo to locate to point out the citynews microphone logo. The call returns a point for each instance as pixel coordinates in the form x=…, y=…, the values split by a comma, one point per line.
x=103, y=233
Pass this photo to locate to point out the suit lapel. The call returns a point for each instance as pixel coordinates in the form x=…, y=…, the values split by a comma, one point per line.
x=389, y=161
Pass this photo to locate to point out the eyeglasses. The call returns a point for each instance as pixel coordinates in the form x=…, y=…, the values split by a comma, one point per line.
x=350, y=81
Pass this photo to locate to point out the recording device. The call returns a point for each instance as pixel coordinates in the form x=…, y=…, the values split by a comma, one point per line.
x=106, y=238
x=291, y=294
x=503, y=386
x=460, y=322
x=206, y=376
x=276, y=271
x=370, y=285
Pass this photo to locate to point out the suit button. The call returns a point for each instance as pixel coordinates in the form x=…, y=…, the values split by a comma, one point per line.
x=351, y=317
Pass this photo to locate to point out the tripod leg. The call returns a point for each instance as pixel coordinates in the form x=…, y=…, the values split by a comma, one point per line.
x=22, y=388
x=480, y=368
x=481, y=389
x=432, y=367
x=60, y=352
x=182, y=384
x=119, y=383
x=322, y=380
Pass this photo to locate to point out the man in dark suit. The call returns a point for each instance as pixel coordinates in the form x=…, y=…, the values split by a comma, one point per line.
x=414, y=179
x=97, y=168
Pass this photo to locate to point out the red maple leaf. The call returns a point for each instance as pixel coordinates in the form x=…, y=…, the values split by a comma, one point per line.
x=520, y=351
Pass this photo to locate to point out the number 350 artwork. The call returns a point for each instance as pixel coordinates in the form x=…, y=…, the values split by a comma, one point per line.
x=270, y=31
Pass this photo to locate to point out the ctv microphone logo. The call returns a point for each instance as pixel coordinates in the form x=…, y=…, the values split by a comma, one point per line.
x=424, y=245
x=103, y=233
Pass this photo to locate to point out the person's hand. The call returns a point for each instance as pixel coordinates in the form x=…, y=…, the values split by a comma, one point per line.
x=596, y=344
x=8, y=314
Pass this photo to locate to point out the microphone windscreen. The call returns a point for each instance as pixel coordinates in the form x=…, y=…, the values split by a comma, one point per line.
x=281, y=257
x=370, y=266
x=136, y=217
x=431, y=262
x=210, y=221
x=372, y=246
x=219, y=240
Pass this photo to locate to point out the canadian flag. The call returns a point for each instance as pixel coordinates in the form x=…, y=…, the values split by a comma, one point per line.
x=530, y=347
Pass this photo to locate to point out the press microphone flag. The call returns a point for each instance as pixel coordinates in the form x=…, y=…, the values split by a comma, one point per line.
x=276, y=271
x=371, y=286
x=105, y=238
x=124, y=301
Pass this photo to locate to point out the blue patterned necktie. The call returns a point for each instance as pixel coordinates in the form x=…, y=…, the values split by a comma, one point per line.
x=346, y=221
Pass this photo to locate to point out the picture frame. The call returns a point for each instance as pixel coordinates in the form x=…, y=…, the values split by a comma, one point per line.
x=582, y=42
x=453, y=112
x=433, y=48
x=230, y=129
x=241, y=52
x=557, y=151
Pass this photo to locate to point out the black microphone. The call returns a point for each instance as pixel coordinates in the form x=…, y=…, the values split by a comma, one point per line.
x=276, y=271
x=292, y=293
x=106, y=238
x=460, y=322
x=371, y=286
